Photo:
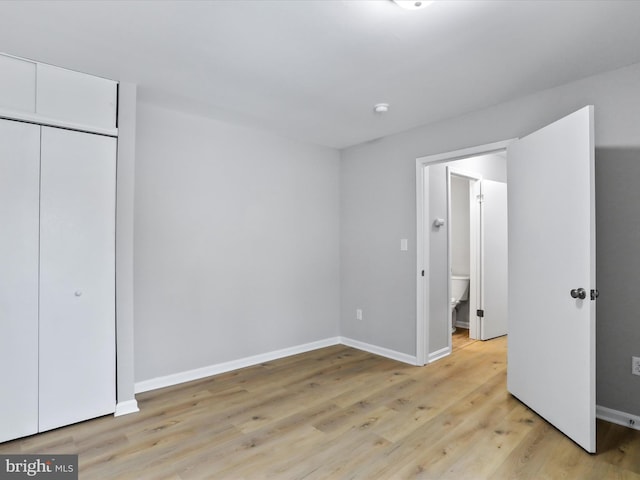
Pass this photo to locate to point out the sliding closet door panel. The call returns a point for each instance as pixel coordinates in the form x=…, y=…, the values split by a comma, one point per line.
x=19, y=182
x=77, y=277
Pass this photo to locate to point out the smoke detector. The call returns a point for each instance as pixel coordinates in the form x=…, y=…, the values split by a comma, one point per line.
x=412, y=4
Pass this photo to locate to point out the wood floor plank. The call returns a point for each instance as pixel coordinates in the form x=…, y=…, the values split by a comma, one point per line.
x=340, y=413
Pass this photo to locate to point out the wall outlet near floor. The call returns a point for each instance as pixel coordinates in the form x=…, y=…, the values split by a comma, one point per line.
x=635, y=365
x=359, y=315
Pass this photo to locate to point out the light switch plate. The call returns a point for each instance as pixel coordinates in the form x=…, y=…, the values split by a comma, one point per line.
x=404, y=244
x=635, y=365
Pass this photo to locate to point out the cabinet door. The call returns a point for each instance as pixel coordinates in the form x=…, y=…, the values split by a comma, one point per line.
x=77, y=277
x=76, y=97
x=17, y=84
x=19, y=184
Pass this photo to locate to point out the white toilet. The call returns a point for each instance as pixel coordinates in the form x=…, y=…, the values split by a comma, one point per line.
x=459, y=293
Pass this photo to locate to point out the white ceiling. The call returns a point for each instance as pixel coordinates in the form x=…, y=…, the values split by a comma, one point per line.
x=313, y=69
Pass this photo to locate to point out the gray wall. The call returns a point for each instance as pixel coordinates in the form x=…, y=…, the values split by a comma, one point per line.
x=236, y=243
x=618, y=273
x=378, y=202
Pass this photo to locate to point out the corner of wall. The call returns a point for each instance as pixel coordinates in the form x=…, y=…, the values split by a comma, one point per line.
x=125, y=186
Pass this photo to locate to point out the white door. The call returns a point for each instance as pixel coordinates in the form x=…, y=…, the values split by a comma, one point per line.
x=551, y=359
x=77, y=277
x=494, y=264
x=19, y=197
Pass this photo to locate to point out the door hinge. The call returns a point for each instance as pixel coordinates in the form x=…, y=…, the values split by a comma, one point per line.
x=480, y=313
x=480, y=198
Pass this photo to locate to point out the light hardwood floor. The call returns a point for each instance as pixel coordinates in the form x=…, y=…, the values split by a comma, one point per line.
x=460, y=339
x=339, y=413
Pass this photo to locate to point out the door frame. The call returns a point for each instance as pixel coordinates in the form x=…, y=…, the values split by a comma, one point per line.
x=423, y=356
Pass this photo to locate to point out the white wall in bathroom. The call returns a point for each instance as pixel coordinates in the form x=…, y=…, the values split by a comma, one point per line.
x=490, y=167
x=460, y=246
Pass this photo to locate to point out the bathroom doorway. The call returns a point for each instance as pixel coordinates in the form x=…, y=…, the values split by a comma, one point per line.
x=477, y=247
x=451, y=213
x=463, y=249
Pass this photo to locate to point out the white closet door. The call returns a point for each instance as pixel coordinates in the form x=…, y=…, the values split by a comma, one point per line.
x=19, y=182
x=77, y=277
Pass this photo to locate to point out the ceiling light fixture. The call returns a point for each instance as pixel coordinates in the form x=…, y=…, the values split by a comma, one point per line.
x=412, y=4
x=381, y=107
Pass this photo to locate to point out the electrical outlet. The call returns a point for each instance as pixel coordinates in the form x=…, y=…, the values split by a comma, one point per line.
x=635, y=365
x=359, y=314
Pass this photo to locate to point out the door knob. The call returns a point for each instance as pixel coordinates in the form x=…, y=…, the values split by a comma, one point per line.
x=580, y=293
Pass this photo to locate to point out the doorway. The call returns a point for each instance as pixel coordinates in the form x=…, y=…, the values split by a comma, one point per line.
x=551, y=269
x=477, y=245
x=437, y=177
x=463, y=251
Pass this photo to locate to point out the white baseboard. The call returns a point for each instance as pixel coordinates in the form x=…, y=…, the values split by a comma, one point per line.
x=383, y=352
x=462, y=325
x=198, y=373
x=203, y=372
x=127, y=407
x=618, y=417
x=438, y=354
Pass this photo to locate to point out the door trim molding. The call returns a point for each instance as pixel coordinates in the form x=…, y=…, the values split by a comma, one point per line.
x=126, y=407
x=422, y=240
x=438, y=354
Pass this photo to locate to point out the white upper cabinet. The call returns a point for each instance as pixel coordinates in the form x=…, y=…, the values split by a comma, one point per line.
x=17, y=84
x=76, y=97
x=40, y=93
